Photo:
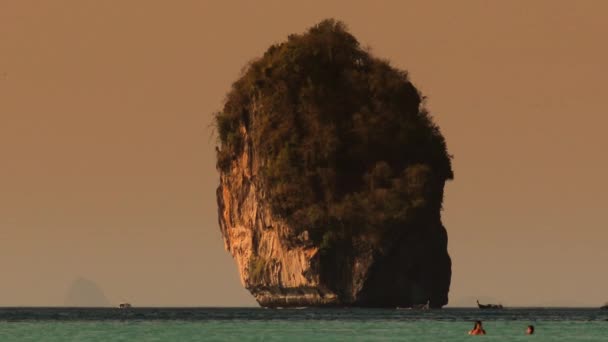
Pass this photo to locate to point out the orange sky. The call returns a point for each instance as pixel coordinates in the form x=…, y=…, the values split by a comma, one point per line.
x=107, y=164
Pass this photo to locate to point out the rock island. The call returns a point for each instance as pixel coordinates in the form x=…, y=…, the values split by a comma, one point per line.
x=331, y=178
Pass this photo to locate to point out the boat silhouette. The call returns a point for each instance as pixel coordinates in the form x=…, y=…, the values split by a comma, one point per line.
x=489, y=306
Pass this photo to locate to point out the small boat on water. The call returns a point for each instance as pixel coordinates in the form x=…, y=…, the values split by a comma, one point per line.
x=426, y=306
x=124, y=306
x=489, y=306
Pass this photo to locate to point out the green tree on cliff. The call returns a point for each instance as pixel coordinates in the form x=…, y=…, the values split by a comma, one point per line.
x=344, y=143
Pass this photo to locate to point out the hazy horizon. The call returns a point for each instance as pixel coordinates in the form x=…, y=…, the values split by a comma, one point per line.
x=108, y=164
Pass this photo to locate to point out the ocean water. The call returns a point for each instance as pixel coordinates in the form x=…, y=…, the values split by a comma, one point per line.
x=256, y=324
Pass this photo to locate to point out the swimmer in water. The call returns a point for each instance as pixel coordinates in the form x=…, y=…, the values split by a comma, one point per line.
x=477, y=329
x=530, y=330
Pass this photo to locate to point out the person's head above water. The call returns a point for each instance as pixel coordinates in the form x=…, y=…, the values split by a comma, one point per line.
x=477, y=329
x=530, y=330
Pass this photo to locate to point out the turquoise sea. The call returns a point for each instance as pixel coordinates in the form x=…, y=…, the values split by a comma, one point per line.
x=256, y=324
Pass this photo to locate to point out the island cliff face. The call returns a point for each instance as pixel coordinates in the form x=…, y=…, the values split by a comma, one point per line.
x=331, y=179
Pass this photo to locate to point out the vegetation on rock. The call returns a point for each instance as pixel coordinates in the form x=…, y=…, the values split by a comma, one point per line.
x=343, y=142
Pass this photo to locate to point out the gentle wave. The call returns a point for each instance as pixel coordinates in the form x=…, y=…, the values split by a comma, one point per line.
x=255, y=324
x=302, y=314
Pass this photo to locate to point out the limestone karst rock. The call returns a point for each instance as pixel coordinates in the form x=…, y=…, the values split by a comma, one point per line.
x=331, y=178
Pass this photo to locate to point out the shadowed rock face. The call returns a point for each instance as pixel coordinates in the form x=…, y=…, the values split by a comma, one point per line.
x=331, y=179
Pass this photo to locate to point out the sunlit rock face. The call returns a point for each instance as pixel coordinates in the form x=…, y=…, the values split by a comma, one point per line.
x=331, y=179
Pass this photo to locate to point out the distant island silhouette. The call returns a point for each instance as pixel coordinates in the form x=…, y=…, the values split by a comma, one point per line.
x=85, y=292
